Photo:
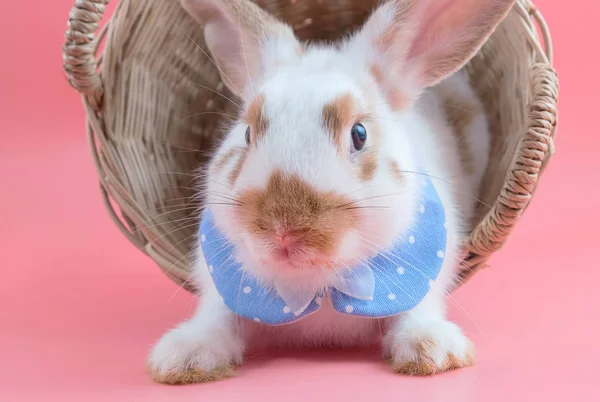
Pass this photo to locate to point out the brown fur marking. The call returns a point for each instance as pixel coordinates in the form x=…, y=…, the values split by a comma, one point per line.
x=237, y=169
x=368, y=165
x=222, y=161
x=396, y=171
x=425, y=365
x=190, y=376
x=377, y=73
x=256, y=119
x=337, y=115
x=316, y=219
x=396, y=99
x=459, y=114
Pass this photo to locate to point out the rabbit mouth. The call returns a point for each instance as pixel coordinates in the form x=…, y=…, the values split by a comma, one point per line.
x=293, y=259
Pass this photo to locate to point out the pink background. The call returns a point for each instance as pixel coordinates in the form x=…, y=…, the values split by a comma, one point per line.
x=80, y=307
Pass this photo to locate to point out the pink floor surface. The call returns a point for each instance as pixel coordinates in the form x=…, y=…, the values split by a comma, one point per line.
x=80, y=307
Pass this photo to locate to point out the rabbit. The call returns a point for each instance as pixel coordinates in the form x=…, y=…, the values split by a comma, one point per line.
x=325, y=166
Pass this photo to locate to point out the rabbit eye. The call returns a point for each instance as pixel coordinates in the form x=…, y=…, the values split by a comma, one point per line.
x=248, y=135
x=359, y=136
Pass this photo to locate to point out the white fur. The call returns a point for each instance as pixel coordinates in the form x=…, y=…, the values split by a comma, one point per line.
x=417, y=138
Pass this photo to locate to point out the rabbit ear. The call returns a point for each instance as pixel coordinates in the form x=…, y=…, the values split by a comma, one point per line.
x=421, y=42
x=243, y=39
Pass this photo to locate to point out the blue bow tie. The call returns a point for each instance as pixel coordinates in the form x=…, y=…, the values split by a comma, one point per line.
x=387, y=284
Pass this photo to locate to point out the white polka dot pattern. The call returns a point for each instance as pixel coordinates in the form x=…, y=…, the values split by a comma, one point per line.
x=402, y=275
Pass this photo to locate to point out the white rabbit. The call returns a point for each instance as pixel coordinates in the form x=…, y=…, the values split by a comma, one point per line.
x=324, y=168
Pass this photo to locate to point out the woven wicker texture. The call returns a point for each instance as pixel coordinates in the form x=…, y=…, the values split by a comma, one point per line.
x=155, y=108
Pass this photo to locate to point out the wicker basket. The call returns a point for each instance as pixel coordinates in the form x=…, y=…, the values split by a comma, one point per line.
x=155, y=107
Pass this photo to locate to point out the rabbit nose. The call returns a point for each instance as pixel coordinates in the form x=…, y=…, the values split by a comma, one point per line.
x=287, y=237
x=284, y=239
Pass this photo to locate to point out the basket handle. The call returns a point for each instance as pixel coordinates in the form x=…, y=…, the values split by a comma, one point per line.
x=79, y=49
